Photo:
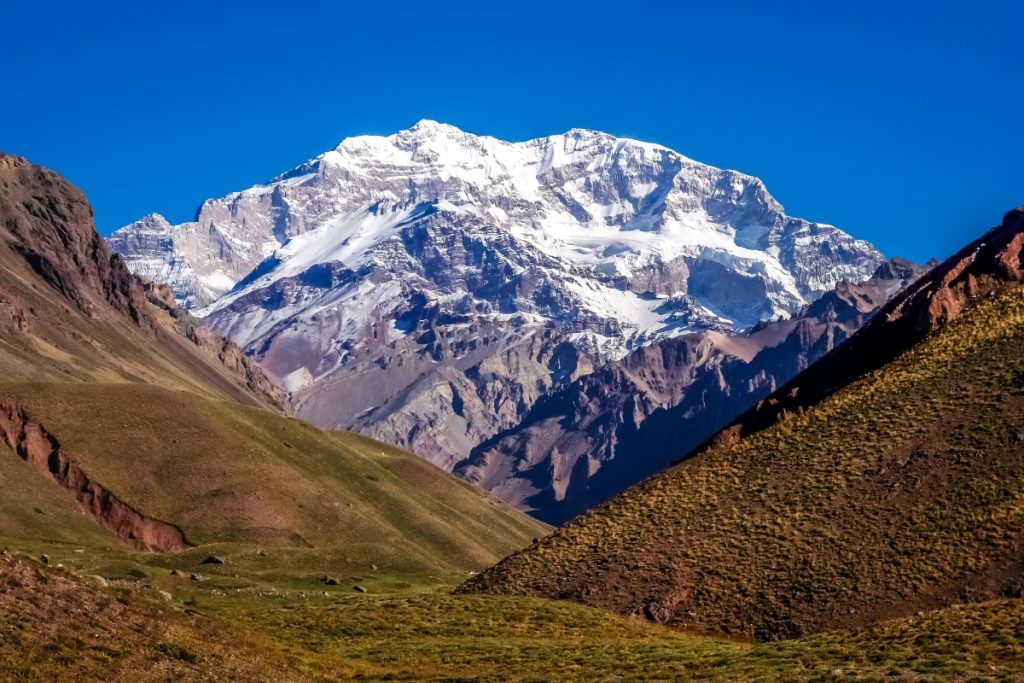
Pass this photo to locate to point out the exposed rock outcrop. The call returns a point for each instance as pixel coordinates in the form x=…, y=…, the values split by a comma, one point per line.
x=36, y=446
x=46, y=227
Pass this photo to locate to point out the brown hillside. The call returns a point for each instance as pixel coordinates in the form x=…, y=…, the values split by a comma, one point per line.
x=900, y=491
x=59, y=627
x=70, y=310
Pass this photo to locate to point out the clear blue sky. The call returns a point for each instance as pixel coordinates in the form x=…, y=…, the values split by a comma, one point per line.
x=899, y=122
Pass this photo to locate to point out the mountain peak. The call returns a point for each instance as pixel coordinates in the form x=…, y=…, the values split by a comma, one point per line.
x=434, y=126
x=581, y=242
x=587, y=133
x=429, y=131
x=155, y=220
x=12, y=161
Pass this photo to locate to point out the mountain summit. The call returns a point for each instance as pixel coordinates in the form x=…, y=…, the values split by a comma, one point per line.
x=427, y=287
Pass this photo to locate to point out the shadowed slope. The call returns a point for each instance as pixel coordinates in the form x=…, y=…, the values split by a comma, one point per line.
x=631, y=418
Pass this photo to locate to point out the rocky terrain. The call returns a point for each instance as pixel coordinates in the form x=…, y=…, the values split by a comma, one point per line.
x=58, y=627
x=427, y=288
x=69, y=307
x=633, y=417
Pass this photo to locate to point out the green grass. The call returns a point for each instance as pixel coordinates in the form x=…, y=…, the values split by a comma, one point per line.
x=243, y=481
x=902, y=492
x=411, y=628
x=425, y=633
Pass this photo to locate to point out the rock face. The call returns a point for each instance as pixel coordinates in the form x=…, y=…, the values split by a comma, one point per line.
x=428, y=287
x=633, y=417
x=49, y=226
x=66, y=295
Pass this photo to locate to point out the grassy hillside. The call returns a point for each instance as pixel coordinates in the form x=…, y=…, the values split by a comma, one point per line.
x=49, y=340
x=60, y=627
x=248, y=480
x=123, y=427
x=902, y=492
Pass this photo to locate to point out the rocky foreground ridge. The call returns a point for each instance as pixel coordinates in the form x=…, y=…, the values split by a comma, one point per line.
x=47, y=232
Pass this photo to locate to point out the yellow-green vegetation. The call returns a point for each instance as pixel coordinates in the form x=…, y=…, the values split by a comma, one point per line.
x=266, y=490
x=60, y=627
x=35, y=507
x=902, y=492
x=432, y=636
x=325, y=556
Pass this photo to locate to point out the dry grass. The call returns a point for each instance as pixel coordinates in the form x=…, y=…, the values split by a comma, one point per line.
x=54, y=626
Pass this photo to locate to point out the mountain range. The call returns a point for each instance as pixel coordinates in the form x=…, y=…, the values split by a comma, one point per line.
x=429, y=288
x=127, y=425
x=633, y=417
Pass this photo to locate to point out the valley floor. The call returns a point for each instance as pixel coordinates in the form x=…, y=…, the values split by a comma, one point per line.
x=147, y=624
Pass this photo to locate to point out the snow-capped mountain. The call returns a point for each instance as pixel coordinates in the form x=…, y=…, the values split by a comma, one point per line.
x=427, y=287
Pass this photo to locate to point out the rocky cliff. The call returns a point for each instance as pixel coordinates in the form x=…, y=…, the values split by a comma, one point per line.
x=71, y=301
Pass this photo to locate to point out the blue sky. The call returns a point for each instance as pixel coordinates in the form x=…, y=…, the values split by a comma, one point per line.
x=899, y=122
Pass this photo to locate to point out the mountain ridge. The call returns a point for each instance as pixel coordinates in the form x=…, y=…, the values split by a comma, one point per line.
x=978, y=270
x=426, y=288
x=630, y=418
x=91, y=303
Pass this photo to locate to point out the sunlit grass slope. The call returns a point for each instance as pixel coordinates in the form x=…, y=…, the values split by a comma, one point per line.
x=290, y=497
